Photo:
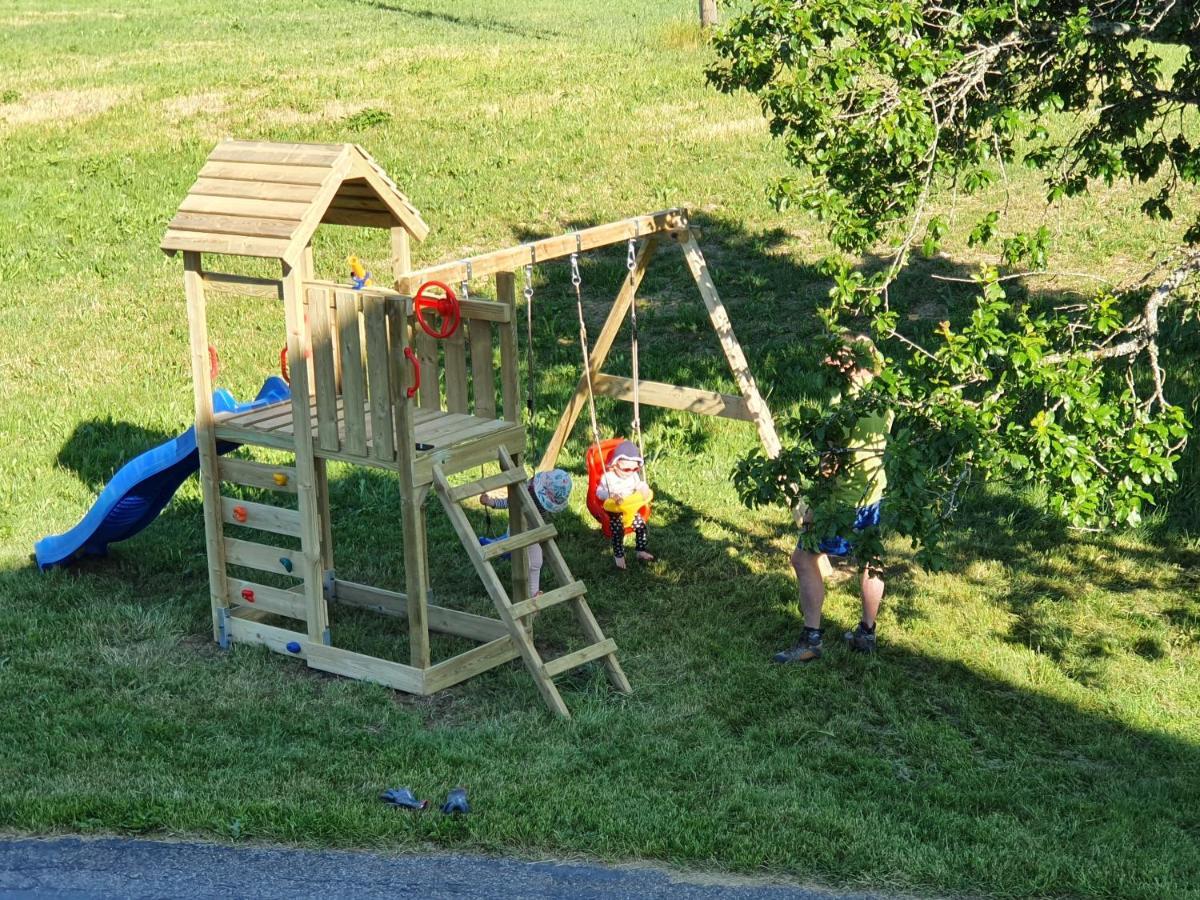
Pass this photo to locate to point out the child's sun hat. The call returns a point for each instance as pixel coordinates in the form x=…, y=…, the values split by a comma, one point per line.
x=551, y=489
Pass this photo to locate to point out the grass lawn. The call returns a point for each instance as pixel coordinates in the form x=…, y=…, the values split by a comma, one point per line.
x=1028, y=728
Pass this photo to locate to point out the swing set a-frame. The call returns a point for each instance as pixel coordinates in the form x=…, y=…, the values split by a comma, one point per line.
x=651, y=232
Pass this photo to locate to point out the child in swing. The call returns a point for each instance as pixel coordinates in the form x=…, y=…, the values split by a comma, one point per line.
x=624, y=490
x=550, y=491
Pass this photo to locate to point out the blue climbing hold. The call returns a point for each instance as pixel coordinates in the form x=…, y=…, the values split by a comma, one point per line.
x=286, y=563
x=293, y=647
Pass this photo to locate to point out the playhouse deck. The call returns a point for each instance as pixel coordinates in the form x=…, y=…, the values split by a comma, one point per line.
x=453, y=440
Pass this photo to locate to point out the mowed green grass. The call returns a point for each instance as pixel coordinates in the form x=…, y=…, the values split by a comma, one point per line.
x=1029, y=726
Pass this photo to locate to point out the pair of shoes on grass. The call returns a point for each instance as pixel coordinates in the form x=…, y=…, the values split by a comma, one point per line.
x=456, y=800
x=811, y=647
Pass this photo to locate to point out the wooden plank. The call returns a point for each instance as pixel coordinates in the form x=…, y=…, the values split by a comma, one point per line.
x=427, y=354
x=455, y=364
x=230, y=187
x=670, y=396
x=206, y=441
x=245, y=630
x=249, y=207
x=483, y=485
x=485, y=311
x=243, y=285
x=548, y=599
x=441, y=618
x=546, y=249
x=260, y=516
x=471, y=663
x=268, y=174
x=465, y=456
x=339, y=215
x=403, y=409
x=213, y=223
x=324, y=368
x=598, y=353
x=366, y=668
x=517, y=541
x=379, y=383
x=405, y=213
x=264, y=557
x=510, y=386
x=231, y=244
x=254, y=474
x=733, y=350
x=354, y=389
x=268, y=599
x=574, y=660
x=277, y=154
x=483, y=368
x=310, y=513
x=533, y=661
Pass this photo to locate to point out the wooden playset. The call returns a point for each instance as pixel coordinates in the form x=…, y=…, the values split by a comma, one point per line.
x=402, y=380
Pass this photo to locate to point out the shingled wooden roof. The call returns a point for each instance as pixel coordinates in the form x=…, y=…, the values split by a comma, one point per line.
x=258, y=198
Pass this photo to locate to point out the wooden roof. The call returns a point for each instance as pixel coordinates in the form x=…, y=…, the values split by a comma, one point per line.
x=259, y=198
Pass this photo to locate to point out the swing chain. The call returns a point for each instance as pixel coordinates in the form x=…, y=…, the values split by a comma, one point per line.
x=529, y=355
x=631, y=255
x=575, y=279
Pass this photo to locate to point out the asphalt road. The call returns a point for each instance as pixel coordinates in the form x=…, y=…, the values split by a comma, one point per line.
x=129, y=869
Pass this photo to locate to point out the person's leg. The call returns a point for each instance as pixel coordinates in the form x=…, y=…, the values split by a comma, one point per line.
x=618, y=538
x=872, y=596
x=639, y=537
x=812, y=586
x=812, y=597
x=534, y=558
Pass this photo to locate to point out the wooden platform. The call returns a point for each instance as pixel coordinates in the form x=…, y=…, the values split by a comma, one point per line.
x=456, y=440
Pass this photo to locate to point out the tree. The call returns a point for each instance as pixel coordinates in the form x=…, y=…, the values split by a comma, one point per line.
x=887, y=109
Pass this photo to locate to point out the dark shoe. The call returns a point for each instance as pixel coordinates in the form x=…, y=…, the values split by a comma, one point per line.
x=403, y=797
x=456, y=802
x=860, y=640
x=807, y=650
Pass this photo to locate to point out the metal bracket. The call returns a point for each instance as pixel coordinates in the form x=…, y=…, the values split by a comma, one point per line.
x=224, y=638
x=329, y=585
x=326, y=638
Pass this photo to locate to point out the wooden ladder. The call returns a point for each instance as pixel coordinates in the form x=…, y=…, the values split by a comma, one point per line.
x=515, y=615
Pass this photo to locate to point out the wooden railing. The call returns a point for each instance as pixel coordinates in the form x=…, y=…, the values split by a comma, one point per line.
x=361, y=373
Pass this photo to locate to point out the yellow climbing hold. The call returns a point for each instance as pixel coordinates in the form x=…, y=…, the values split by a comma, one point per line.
x=280, y=478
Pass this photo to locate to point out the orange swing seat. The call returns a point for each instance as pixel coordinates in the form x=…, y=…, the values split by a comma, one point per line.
x=597, y=461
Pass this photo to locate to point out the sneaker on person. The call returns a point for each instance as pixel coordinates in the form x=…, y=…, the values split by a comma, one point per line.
x=807, y=650
x=860, y=640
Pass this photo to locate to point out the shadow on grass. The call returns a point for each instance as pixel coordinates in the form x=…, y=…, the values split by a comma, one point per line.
x=491, y=25
x=97, y=448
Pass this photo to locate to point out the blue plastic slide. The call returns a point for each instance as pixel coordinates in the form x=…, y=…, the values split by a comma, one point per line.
x=143, y=486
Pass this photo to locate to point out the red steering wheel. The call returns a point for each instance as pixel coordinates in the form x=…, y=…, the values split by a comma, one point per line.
x=446, y=306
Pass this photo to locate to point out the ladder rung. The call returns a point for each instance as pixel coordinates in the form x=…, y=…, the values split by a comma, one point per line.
x=579, y=657
x=517, y=541
x=548, y=599
x=483, y=485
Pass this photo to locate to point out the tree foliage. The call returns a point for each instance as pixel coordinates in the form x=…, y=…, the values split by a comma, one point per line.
x=888, y=107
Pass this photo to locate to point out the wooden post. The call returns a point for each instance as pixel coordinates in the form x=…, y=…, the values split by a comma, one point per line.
x=506, y=293
x=311, y=530
x=733, y=350
x=708, y=13
x=416, y=549
x=598, y=352
x=206, y=443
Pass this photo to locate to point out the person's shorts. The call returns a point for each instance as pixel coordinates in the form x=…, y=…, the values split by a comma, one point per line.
x=866, y=517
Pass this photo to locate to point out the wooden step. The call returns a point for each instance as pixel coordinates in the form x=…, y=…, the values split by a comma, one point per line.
x=517, y=541
x=548, y=599
x=579, y=657
x=484, y=485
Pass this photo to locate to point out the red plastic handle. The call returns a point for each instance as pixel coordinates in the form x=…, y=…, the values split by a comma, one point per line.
x=416, y=367
x=445, y=306
x=283, y=367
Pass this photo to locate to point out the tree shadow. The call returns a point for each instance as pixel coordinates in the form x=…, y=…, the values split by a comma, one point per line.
x=491, y=25
x=97, y=448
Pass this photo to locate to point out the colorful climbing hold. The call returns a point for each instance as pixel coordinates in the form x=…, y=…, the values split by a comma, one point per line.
x=281, y=478
x=293, y=647
x=248, y=595
x=286, y=563
x=240, y=514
